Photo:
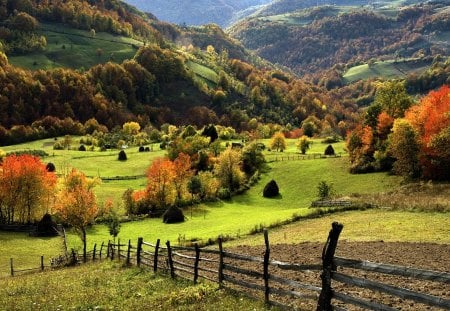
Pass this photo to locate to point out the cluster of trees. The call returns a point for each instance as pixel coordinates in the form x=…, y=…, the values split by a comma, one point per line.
x=350, y=38
x=196, y=168
x=108, y=16
x=28, y=191
x=411, y=140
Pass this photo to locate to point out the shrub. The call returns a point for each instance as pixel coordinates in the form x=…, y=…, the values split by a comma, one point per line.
x=271, y=189
x=50, y=167
x=173, y=215
x=122, y=155
x=58, y=146
x=82, y=148
x=325, y=190
x=331, y=140
x=329, y=150
x=224, y=194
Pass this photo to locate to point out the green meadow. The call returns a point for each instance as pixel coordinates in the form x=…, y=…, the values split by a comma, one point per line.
x=72, y=48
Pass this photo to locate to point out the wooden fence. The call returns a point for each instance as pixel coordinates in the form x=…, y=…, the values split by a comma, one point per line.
x=292, y=157
x=279, y=283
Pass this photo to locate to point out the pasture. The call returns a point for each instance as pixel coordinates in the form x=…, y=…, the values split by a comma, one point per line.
x=72, y=48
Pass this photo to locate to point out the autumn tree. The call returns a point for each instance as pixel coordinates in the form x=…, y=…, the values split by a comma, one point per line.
x=278, y=142
x=182, y=174
x=227, y=169
x=160, y=186
x=131, y=128
x=26, y=189
x=303, y=144
x=404, y=147
x=431, y=119
x=77, y=204
x=391, y=96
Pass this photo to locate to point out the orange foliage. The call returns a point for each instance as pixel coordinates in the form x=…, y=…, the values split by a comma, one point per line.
x=182, y=171
x=160, y=177
x=384, y=126
x=25, y=188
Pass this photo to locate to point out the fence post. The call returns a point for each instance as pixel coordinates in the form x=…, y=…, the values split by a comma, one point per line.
x=220, y=262
x=108, y=249
x=324, y=302
x=12, y=266
x=169, y=255
x=128, y=252
x=118, y=249
x=42, y=263
x=197, y=259
x=138, y=251
x=93, y=253
x=155, y=258
x=101, y=249
x=266, y=267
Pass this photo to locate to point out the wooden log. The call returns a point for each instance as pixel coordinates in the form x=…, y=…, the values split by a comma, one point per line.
x=169, y=253
x=208, y=259
x=197, y=259
x=183, y=256
x=361, y=303
x=183, y=264
x=434, y=276
x=245, y=284
x=266, y=267
x=139, y=251
x=155, y=258
x=42, y=263
x=246, y=272
x=208, y=270
x=128, y=252
x=210, y=251
x=101, y=249
x=324, y=302
x=295, y=284
x=294, y=267
x=220, y=270
x=392, y=290
x=243, y=257
x=11, y=263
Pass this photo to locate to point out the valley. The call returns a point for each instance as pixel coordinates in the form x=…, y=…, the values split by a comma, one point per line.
x=187, y=121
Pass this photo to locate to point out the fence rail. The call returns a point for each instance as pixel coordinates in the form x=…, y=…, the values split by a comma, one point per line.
x=266, y=277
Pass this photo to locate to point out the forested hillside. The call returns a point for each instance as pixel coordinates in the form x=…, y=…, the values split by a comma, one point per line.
x=316, y=39
x=200, y=12
x=180, y=75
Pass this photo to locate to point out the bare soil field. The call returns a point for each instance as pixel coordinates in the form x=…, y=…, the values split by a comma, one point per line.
x=427, y=256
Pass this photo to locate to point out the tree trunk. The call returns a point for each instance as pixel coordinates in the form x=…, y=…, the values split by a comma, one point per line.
x=83, y=238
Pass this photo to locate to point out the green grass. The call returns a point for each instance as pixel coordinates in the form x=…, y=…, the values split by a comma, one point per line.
x=71, y=48
x=26, y=251
x=204, y=72
x=385, y=69
x=369, y=225
x=108, y=286
x=297, y=181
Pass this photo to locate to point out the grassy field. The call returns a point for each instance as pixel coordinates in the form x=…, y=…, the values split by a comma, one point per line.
x=71, y=48
x=108, y=286
x=387, y=69
x=204, y=72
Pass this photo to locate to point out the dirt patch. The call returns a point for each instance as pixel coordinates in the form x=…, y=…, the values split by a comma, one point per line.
x=418, y=255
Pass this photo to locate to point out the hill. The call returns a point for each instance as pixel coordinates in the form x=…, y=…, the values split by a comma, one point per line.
x=199, y=12
x=310, y=40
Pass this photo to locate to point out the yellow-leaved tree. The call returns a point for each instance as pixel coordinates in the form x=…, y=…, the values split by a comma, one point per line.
x=76, y=204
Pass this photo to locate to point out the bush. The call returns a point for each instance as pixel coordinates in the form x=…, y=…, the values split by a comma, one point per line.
x=82, y=148
x=325, y=190
x=173, y=215
x=331, y=140
x=50, y=167
x=58, y=146
x=224, y=194
x=329, y=150
x=122, y=155
x=271, y=189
